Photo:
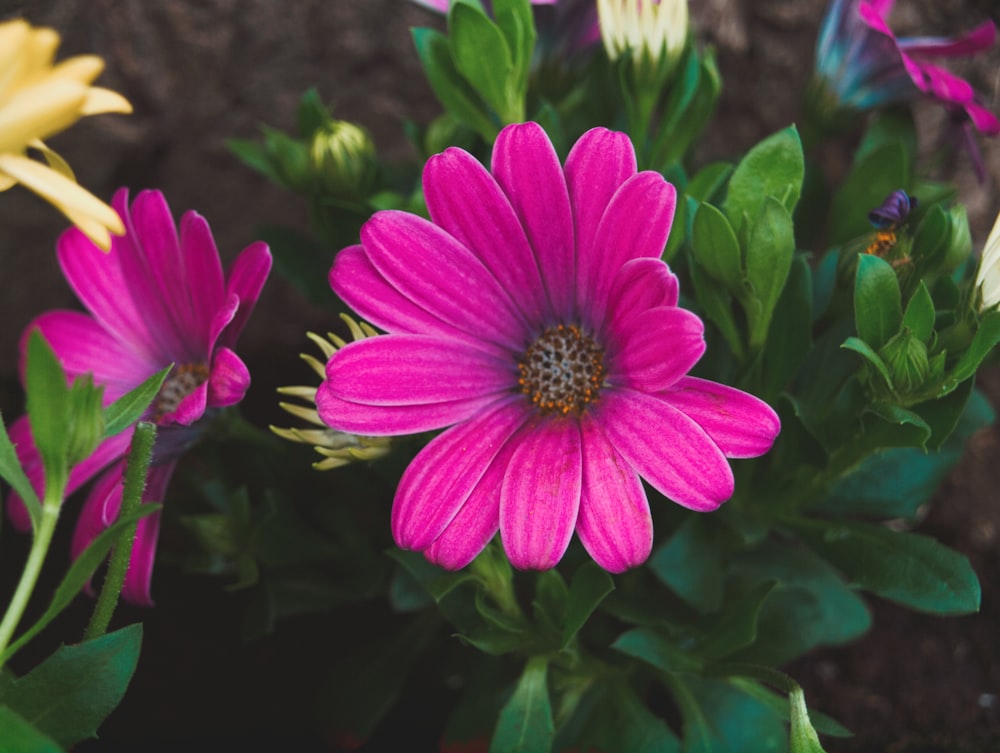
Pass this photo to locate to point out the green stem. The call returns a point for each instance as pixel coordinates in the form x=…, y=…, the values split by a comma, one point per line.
x=136, y=469
x=32, y=567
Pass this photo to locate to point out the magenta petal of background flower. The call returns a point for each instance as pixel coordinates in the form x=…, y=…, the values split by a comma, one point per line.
x=100, y=508
x=979, y=39
x=414, y=370
x=139, y=575
x=246, y=281
x=666, y=448
x=614, y=524
x=540, y=496
x=527, y=168
x=229, y=379
x=740, y=424
x=200, y=291
x=443, y=475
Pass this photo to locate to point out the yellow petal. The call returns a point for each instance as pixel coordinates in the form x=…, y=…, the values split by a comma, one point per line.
x=13, y=36
x=73, y=200
x=81, y=68
x=41, y=48
x=38, y=111
x=56, y=162
x=104, y=100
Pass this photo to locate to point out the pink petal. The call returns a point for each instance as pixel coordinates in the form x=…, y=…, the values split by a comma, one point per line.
x=359, y=284
x=635, y=225
x=83, y=346
x=655, y=348
x=666, y=448
x=391, y=420
x=136, y=589
x=199, y=286
x=229, y=379
x=441, y=276
x=527, y=168
x=597, y=165
x=939, y=82
x=540, y=496
x=151, y=266
x=99, y=282
x=984, y=120
x=439, y=480
x=190, y=409
x=640, y=284
x=246, y=280
x=614, y=525
x=100, y=509
x=220, y=323
x=477, y=522
x=980, y=38
x=742, y=425
x=465, y=200
x=415, y=370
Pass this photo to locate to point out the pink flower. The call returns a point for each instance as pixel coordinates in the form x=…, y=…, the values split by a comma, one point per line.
x=918, y=52
x=154, y=299
x=534, y=316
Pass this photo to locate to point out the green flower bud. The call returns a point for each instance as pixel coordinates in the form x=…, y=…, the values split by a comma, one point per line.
x=343, y=160
x=906, y=357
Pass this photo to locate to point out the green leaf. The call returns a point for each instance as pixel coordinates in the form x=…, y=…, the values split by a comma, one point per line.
x=779, y=705
x=12, y=472
x=892, y=125
x=930, y=241
x=255, y=155
x=908, y=568
x=769, y=254
x=656, y=649
x=716, y=248
x=773, y=168
x=790, y=335
x=716, y=303
x=482, y=56
x=312, y=114
x=878, y=310
x=696, y=540
x=516, y=22
x=587, y=590
x=736, y=627
x=803, y=737
x=525, y=724
x=18, y=736
x=868, y=353
x=986, y=337
x=728, y=719
x=919, y=314
x=454, y=92
x=129, y=408
x=79, y=573
x=48, y=409
x=70, y=694
x=708, y=182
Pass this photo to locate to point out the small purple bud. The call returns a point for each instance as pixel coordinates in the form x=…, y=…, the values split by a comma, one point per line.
x=893, y=211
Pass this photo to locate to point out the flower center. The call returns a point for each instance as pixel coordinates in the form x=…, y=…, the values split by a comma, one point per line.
x=562, y=370
x=181, y=382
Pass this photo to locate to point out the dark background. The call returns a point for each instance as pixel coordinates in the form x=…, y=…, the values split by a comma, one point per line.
x=199, y=72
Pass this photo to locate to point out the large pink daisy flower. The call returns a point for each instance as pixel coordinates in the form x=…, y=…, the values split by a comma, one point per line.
x=155, y=299
x=533, y=316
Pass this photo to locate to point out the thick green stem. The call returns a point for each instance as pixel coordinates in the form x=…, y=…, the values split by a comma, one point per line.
x=136, y=469
x=32, y=567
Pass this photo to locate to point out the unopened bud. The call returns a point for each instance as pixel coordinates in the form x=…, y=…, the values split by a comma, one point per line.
x=343, y=159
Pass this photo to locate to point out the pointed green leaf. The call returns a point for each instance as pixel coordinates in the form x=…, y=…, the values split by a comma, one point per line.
x=482, y=56
x=878, y=310
x=736, y=627
x=919, y=315
x=716, y=248
x=129, y=408
x=12, y=472
x=773, y=168
x=908, y=568
x=769, y=254
x=656, y=649
x=525, y=724
x=986, y=337
x=803, y=738
x=696, y=539
x=587, y=590
x=70, y=694
x=868, y=353
x=48, y=408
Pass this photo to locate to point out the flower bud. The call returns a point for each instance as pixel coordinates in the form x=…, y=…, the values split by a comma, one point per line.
x=906, y=357
x=343, y=160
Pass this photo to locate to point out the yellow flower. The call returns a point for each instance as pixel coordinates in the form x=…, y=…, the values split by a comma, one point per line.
x=39, y=99
x=988, y=276
x=653, y=31
x=338, y=448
